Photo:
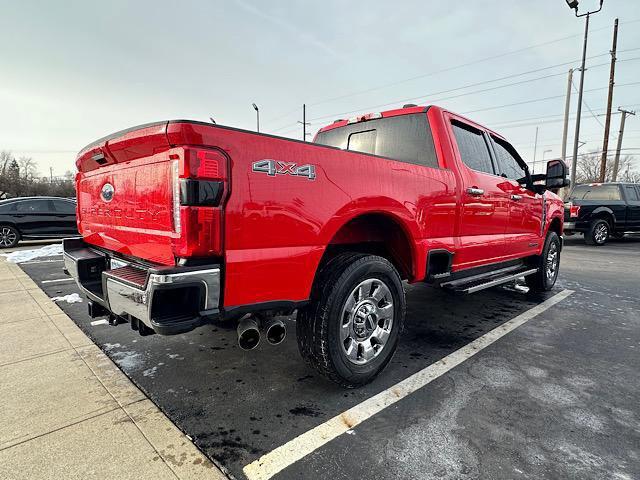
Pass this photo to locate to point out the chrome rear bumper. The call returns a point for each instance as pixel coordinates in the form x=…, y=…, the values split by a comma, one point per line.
x=168, y=300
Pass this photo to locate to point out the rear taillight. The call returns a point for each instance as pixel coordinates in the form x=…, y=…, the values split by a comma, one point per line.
x=574, y=210
x=175, y=166
x=199, y=189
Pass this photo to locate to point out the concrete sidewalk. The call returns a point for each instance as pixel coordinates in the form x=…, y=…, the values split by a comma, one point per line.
x=67, y=411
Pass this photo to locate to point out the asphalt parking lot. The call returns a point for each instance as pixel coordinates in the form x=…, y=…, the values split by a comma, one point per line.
x=555, y=398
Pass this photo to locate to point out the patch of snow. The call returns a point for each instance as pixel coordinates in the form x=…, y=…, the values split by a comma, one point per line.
x=27, y=255
x=71, y=298
x=128, y=361
x=150, y=372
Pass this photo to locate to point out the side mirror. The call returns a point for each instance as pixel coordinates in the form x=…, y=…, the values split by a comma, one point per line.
x=556, y=176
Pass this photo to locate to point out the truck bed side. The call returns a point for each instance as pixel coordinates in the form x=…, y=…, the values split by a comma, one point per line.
x=277, y=227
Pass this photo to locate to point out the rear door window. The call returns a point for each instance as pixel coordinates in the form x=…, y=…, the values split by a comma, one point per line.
x=406, y=138
x=473, y=148
x=632, y=193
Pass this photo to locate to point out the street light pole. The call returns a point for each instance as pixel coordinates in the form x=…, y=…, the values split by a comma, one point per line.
x=255, y=107
x=576, y=139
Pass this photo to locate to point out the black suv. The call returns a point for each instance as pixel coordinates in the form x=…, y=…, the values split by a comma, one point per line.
x=36, y=217
x=600, y=210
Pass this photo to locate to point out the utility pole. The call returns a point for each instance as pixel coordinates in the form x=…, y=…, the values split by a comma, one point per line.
x=607, y=123
x=573, y=4
x=304, y=122
x=616, y=161
x=50, y=174
x=567, y=106
x=535, y=147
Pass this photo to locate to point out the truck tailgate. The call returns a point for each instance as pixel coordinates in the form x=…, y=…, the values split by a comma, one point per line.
x=153, y=192
x=125, y=188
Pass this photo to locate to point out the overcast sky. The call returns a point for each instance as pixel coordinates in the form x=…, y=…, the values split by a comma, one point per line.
x=73, y=71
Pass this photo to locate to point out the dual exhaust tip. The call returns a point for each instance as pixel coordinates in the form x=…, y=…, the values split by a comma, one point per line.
x=250, y=330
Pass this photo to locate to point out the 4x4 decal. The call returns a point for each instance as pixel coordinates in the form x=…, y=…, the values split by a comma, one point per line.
x=276, y=167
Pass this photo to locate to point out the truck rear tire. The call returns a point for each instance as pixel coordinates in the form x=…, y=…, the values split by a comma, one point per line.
x=598, y=233
x=548, y=265
x=350, y=329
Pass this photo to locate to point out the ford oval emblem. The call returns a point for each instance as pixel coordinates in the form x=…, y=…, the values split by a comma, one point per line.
x=107, y=192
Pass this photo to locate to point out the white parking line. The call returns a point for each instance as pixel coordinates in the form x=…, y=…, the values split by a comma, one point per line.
x=58, y=280
x=280, y=458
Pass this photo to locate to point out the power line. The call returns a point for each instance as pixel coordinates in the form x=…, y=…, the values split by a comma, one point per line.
x=455, y=67
x=448, y=69
x=541, y=99
x=587, y=105
x=452, y=90
x=484, y=82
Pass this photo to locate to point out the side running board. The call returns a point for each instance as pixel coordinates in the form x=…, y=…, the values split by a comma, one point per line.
x=487, y=280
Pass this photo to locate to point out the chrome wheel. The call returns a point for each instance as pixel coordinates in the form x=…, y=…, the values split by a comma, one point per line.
x=601, y=233
x=366, y=321
x=553, y=258
x=8, y=237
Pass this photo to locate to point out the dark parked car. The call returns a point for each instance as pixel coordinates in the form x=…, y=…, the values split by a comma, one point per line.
x=36, y=217
x=601, y=210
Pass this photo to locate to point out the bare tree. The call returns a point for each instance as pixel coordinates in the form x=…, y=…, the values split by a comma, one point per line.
x=19, y=178
x=588, y=168
x=5, y=159
x=28, y=168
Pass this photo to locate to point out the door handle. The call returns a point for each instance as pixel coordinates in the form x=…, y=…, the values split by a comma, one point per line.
x=516, y=197
x=475, y=191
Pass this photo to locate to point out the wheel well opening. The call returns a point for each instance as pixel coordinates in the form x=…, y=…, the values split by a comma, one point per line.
x=605, y=216
x=376, y=234
x=555, y=226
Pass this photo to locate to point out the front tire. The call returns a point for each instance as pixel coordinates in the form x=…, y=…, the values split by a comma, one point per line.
x=350, y=329
x=598, y=233
x=9, y=236
x=548, y=266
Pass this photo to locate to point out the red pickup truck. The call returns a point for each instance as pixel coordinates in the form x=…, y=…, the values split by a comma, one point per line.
x=184, y=223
